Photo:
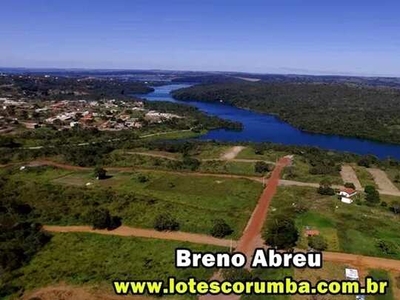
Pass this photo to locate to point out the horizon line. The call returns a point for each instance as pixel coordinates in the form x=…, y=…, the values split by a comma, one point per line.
x=304, y=73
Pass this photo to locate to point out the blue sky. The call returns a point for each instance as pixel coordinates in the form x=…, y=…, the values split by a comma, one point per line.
x=270, y=36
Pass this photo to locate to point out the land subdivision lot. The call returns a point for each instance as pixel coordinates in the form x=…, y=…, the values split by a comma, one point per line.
x=364, y=176
x=349, y=175
x=64, y=197
x=300, y=171
x=383, y=182
x=267, y=155
x=358, y=229
x=96, y=260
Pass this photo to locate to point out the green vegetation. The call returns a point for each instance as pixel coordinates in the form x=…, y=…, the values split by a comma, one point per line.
x=372, y=195
x=270, y=274
x=325, y=188
x=80, y=258
x=352, y=228
x=60, y=87
x=281, y=233
x=63, y=198
x=317, y=242
x=166, y=222
x=220, y=229
x=364, y=176
x=322, y=108
x=382, y=275
x=21, y=239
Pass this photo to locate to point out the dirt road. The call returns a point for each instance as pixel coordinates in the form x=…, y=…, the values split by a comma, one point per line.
x=188, y=173
x=232, y=152
x=148, y=233
x=251, y=235
x=348, y=175
x=363, y=262
x=353, y=259
x=383, y=182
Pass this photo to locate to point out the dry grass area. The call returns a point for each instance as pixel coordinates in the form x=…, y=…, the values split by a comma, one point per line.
x=330, y=271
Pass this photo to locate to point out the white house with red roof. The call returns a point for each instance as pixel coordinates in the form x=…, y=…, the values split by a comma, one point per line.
x=346, y=195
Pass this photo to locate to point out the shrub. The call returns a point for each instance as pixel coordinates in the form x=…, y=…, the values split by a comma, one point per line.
x=395, y=207
x=220, y=229
x=142, y=178
x=100, y=173
x=262, y=167
x=372, y=195
x=317, y=242
x=100, y=218
x=164, y=222
x=325, y=188
x=387, y=247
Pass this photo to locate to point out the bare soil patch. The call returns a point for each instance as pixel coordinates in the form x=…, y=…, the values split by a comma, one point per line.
x=383, y=181
x=232, y=153
x=349, y=175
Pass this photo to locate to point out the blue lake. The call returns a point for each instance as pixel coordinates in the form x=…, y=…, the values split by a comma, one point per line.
x=266, y=128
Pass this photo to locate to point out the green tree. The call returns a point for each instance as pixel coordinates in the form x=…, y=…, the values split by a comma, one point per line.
x=372, y=195
x=325, y=188
x=317, y=242
x=395, y=206
x=220, y=229
x=262, y=167
x=100, y=218
x=281, y=233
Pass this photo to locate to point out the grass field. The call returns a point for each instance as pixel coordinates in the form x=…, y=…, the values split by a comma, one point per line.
x=209, y=151
x=300, y=172
x=229, y=167
x=382, y=275
x=330, y=271
x=348, y=228
x=90, y=259
x=268, y=155
x=269, y=274
x=130, y=159
x=364, y=176
x=194, y=201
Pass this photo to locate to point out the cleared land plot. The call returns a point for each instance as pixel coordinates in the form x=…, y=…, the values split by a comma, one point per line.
x=383, y=182
x=231, y=153
x=268, y=155
x=209, y=151
x=394, y=176
x=90, y=259
x=300, y=171
x=358, y=229
x=160, y=161
x=138, y=197
x=349, y=175
x=229, y=167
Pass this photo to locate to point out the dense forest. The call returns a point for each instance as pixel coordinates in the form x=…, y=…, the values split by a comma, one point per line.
x=372, y=113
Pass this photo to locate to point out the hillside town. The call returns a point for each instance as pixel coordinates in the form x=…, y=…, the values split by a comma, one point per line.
x=104, y=114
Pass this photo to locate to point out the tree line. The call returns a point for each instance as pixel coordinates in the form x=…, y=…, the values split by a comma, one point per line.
x=342, y=109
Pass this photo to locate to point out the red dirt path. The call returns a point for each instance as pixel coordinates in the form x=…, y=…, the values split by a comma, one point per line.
x=250, y=239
